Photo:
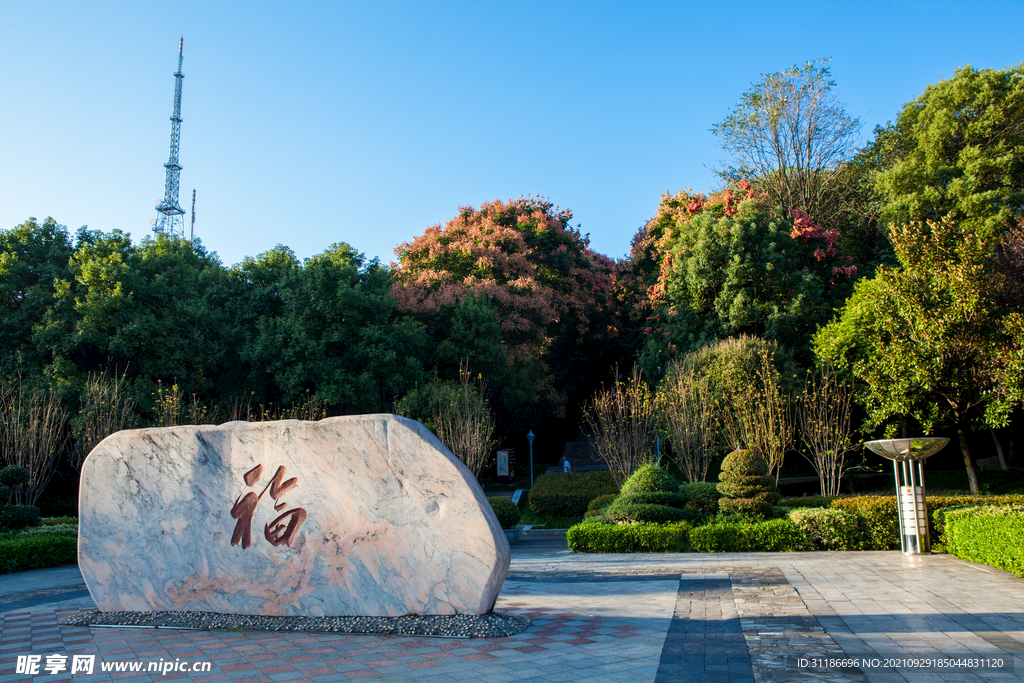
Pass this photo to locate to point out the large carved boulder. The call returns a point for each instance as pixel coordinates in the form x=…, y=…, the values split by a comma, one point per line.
x=364, y=515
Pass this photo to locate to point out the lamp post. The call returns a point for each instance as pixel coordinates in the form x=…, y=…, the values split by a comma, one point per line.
x=530, y=437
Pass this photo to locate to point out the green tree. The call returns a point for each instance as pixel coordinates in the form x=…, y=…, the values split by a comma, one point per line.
x=328, y=327
x=732, y=265
x=958, y=152
x=157, y=311
x=928, y=340
x=32, y=257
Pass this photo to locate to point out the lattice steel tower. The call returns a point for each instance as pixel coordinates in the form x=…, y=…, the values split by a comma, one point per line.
x=169, y=216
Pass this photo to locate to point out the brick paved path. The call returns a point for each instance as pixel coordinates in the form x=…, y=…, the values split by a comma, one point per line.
x=650, y=618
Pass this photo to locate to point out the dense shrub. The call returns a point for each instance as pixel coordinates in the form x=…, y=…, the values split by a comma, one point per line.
x=745, y=485
x=569, y=494
x=51, y=530
x=882, y=521
x=506, y=511
x=601, y=502
x=807, y=502
x=938, y=505
x=773, y=535
x=53, y=521
x=701, y=496
x=19, y=554
x=648, y=479
x=641, y=512
x=674, y=500
x=827, y=529
x=19, y=516
x=992, y=535
x=598, y=537
x=879, y=518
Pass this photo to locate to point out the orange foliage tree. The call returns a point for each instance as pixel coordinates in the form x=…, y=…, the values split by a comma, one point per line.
x=522, y=265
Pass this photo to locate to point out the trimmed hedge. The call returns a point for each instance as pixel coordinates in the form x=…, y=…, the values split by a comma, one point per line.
x=828, y=529
x=882, y=520
x=650, y=478
x=745, y=485
x=674, y=500
x=992, y=535
x=19, y=554
x=701, y=496
x=937, y=505
x=20, y=516
x=598, y=537
x=641, y=512
x=807, y=502
x=568, y=495
x=53, y=521
x=505, y=510
x=601, y=502
x=51, y=530
x=774, y=535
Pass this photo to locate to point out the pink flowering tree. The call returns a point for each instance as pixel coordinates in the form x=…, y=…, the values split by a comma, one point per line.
x=731, y=264
x=516, y=290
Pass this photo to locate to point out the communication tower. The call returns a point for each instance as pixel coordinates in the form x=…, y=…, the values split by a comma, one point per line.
x=169, y=216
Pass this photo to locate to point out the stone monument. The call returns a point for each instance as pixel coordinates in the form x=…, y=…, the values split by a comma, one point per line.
x=364, y=515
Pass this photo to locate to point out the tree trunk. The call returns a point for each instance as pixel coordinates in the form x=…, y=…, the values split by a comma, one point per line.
x=999, y=451
x=972, y=477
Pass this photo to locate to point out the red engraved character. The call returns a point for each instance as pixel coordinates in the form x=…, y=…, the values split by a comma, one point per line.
x=277, y=532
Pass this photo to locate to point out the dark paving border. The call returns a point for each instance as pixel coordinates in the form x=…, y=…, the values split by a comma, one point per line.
x=43, y=599
x=705, y=641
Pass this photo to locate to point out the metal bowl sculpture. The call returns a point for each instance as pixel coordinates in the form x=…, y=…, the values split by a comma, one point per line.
x=903, y=450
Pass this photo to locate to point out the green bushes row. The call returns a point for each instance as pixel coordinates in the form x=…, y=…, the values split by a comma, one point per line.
x=568, y=495
x=807, y=502
x=881, y=519
x=992, y=535
x=37, y=552
x=773, y=535
x=599, y=537
x=506, y=511
x=827, y=529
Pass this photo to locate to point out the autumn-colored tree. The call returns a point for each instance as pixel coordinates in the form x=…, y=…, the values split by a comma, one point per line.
x=520, y=264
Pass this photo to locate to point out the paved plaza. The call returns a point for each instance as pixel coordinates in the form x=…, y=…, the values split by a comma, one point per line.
x=730, y=617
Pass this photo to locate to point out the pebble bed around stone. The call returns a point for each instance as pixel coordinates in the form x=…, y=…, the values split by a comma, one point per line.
x=493, y=625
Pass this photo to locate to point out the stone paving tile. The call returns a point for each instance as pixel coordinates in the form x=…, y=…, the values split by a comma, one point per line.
x=730, y=617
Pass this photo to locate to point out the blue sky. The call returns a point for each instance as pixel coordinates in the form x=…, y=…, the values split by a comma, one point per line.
x=308, y=123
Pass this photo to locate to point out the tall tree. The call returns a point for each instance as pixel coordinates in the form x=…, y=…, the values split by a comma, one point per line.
x=732, y=265
x=789, y=135
x=928, y=340
x=522, y=263
x=32, y=257
x=959, y=153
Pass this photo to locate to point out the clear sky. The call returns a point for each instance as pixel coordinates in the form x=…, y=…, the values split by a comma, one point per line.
x=308, y=123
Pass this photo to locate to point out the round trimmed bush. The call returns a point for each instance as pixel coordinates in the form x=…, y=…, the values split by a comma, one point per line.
x=701, y=495
x=12, y=475
x=641, y=513
x=20, y=516
x=506, y=511
x=745, y=485
x=650, y=478
x=602, y=502
x=673, y=500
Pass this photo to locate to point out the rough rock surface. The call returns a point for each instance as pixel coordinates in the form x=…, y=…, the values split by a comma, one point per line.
x=363, y=515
